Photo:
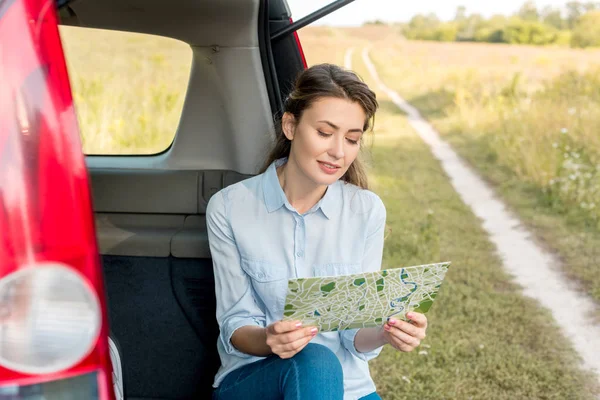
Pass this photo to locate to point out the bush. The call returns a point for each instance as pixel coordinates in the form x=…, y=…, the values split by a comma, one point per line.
x=422, y=27
x=587, y=30
x=563, y=38
x=519, y=31
x=445, y=33
x=535, y=29
x=377, y=22
x=489, y=35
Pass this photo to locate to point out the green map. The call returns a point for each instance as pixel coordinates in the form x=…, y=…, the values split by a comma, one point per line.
x=363, y=300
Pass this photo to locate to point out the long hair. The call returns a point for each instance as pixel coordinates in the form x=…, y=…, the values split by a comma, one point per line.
x=317, y=82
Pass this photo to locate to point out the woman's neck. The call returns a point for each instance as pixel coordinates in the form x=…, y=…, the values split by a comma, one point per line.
x=300, y=191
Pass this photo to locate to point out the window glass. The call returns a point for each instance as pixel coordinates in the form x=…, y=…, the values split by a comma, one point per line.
x=129, y=88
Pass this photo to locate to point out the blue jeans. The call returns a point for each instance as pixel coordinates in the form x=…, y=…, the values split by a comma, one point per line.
x=314, y=373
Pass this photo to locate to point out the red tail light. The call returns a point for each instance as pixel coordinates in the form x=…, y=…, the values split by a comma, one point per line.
x=299, y=46
x=53, y=324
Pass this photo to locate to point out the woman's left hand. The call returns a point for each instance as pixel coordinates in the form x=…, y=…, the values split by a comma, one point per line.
x=406, y=336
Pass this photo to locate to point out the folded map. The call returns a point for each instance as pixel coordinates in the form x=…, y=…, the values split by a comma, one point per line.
x=365, y=299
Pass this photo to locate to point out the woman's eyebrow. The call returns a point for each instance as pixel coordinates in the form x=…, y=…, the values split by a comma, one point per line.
x=334, y=126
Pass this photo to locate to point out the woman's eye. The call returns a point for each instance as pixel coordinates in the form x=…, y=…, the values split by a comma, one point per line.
x=354, y=142
x=324, y=134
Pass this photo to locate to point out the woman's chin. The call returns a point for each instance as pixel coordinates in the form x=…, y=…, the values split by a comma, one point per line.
x=321, y=178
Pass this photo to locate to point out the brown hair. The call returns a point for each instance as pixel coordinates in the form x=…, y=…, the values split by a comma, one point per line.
x=317, y=82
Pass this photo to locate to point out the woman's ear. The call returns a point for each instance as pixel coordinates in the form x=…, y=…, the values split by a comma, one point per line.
x=288, y=125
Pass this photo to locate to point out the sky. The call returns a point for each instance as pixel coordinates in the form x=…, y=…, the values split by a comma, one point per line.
x=360, y=11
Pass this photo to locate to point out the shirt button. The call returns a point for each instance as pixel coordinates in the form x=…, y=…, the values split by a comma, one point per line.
x=299, y=254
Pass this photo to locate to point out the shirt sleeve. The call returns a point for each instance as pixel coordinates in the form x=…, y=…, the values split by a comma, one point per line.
x=236, y=305
x=371, y=262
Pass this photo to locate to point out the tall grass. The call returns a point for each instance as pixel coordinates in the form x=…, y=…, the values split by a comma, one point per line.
x=529, y=120
x=480, y=345
x=540, y=118
x=548, y=138
x=128, y=88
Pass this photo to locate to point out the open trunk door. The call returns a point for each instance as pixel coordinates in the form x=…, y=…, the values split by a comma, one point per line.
x=281, y=50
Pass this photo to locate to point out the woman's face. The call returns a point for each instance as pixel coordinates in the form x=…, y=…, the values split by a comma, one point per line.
x=326, y=139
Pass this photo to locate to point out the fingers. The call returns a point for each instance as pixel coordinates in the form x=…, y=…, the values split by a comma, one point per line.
x=280, y=327
x=406, y=336
x=398, y=343
x=400, y=337
x=418, y=319
x=291, y=349
x=289, y=331
x=286, y=338
x=408, y=328
x=291, y=337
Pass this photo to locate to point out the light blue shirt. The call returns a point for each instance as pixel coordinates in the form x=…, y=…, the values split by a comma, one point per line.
x=258, y=241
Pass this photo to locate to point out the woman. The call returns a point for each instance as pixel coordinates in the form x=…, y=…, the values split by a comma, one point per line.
x=308, y=213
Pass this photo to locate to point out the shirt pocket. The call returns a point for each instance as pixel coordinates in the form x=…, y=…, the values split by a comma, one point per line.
x=336, y=269
x=269, y=281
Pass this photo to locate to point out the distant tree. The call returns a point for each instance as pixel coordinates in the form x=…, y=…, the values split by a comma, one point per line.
x=587, y=30
x=422, y=27
x=461, y=14
x=575, y=9
x=421, y=21
x=529, y=11
x=519, y=31
x=553, y=17
x=474, y=21
x=492, y=30
x=446, y=32
x=467, y=28
x=375, y=22
x=497, y=21
x=528, y=26
x=563, y=37
x=487, y=34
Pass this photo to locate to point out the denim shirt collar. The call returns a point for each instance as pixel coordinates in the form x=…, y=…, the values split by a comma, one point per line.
x=275, y=197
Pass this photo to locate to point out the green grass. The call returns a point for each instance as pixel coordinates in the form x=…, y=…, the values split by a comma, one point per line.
x=485, y=340
x=128, y=88
x=565, y=231
x=536, y=141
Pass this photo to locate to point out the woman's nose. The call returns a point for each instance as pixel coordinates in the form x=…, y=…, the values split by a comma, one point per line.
x=337, y=148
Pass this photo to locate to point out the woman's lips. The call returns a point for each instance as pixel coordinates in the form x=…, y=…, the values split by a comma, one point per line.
x=329, y=169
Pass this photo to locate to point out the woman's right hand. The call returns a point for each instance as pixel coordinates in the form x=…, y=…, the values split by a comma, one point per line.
x=287, y=338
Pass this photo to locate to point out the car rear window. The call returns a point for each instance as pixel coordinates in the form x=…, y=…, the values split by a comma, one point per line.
x=129, y=89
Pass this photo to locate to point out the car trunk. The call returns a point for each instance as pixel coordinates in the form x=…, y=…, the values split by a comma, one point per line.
x=150, y=209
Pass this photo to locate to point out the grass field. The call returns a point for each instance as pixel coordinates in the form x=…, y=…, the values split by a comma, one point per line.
x=125, y=84
x=485, y=341
x=528, y=118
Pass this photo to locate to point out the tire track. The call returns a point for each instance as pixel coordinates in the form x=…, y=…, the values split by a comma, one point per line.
x=531, y=266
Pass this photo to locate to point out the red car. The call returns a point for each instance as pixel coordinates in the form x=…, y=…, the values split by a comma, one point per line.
x=99, y=246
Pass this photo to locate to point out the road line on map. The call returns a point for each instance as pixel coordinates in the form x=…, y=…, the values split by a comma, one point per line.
x=531, y=266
